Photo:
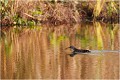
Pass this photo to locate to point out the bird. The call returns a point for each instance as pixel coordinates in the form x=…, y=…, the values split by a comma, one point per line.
x=76, y=51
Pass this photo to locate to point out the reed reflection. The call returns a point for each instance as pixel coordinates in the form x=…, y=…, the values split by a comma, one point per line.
x=39, y=52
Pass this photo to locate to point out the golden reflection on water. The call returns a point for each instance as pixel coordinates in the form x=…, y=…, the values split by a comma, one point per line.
x=39, y=53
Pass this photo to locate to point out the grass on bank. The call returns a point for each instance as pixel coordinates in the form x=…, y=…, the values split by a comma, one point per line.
x=32, y=12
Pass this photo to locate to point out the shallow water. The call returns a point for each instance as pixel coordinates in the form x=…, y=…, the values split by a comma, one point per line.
x=38, y=52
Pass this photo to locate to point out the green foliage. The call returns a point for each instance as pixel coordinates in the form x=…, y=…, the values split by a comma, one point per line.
x=35, y=27
x=85, y=38
x=98, y=7
x=111, y=32
x=61, y=38
x=9, y=10
x=56, y=40
x=8, y=47
x=7, y=44
x=111, y=8
x=99, y=36
x=31, y=23
x=4, y=8
x=37, y=12
x=115, y=29
x=20, y=21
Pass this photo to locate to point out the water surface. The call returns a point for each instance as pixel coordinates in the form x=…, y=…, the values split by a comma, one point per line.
x=38, y=52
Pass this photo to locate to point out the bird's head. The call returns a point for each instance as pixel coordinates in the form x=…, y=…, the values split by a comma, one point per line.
x=71, y=47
